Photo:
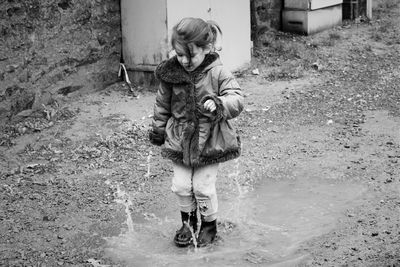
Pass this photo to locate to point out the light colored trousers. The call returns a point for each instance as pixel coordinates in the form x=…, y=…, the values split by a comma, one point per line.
x=195, y=187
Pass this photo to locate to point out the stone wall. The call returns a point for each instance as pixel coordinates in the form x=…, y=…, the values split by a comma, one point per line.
x=266, y=16
x=51, y=48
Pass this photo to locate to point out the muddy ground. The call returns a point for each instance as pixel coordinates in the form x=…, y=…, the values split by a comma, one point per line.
x=81, y=185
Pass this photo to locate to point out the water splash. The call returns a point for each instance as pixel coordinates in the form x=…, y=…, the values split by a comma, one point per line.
x=148, y=174
x=235, y=209
x=194, y=235
x=235, y=176
x=122, y=197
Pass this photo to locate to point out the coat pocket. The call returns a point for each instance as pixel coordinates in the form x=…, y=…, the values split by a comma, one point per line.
x=204, y=134
x=173, y=131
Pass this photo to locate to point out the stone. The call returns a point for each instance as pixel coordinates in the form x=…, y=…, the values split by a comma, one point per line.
x=64, y=4
x=25, y=113
x=24, y=76
x=11, y=68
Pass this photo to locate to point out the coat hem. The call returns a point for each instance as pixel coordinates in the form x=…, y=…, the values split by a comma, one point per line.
x=177, y=157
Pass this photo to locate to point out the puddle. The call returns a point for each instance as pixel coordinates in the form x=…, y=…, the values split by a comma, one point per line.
x=263, y=227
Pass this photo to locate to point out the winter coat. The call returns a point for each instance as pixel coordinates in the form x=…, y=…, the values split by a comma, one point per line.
x=192, y=135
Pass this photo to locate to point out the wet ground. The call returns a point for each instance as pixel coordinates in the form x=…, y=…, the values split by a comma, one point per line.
x=265, y=226
x=317, y=182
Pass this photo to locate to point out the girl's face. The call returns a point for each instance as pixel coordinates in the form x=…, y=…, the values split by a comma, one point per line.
x=197, y=56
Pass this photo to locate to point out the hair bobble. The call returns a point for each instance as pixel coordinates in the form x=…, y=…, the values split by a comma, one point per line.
x=214, y=30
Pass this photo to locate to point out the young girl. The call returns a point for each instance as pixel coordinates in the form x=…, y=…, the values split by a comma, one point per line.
x=196, y=99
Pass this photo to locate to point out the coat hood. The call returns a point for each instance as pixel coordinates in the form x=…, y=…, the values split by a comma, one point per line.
x=171, y=71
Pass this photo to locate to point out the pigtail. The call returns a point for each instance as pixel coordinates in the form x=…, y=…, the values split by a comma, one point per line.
x=215, y=32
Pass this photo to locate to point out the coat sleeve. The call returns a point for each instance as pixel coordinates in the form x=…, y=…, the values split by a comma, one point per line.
x=162, y=112
x=230, y=97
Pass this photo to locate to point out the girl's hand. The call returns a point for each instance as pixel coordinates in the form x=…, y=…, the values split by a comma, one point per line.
x=210, y=105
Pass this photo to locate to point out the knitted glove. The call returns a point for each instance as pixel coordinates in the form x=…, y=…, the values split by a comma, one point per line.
x=218, y=114
x=156, y=138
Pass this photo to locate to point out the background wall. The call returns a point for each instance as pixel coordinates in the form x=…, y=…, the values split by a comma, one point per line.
x=51, y=48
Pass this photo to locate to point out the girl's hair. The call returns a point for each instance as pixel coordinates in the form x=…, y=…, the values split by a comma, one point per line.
x=197, y=31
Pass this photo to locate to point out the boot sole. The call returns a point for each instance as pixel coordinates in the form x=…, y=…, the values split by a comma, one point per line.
x=183, y=244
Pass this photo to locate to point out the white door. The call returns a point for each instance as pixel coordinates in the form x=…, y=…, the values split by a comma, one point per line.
x=234, y=19
x=179, y=9
x=144, y=32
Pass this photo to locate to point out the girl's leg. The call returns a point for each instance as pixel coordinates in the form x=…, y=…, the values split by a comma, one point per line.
x=182, y=186
x=204, y=179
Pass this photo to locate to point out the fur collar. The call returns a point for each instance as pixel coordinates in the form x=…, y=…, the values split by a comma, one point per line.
x=171, y=71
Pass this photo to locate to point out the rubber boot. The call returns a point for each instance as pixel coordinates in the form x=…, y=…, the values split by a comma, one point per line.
x=208, y=231
x=184, y=236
